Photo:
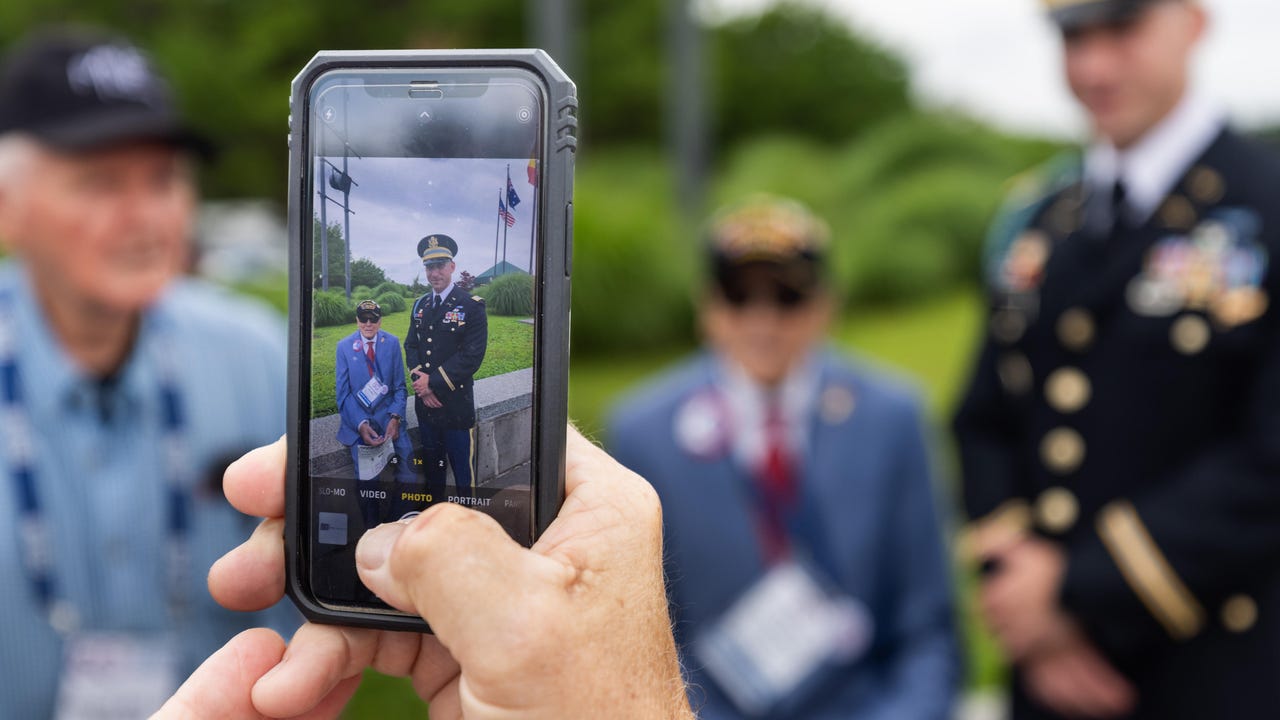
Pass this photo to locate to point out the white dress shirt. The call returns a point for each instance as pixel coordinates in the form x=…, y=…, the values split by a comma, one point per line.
x=1152, y=167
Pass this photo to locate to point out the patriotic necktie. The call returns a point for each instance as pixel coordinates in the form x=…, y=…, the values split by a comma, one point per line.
x=776, y=484
x=373, y=359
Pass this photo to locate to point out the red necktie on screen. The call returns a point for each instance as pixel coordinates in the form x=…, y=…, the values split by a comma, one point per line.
x=373, y=359
x=776, y=484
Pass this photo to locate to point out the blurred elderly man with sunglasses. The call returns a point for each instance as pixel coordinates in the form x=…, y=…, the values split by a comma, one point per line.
x=805, y=564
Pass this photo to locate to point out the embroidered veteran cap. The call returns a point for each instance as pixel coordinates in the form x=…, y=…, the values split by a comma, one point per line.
x=368, y=310
x=774, y=233
x=437, y=248
x=1076, y=14
x=78, y=90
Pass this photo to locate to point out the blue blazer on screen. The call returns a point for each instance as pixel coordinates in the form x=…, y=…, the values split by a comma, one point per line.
x=352, y=370
x=866, y=511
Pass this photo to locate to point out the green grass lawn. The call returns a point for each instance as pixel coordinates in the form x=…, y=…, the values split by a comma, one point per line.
x=931, y=342
x=510, y=348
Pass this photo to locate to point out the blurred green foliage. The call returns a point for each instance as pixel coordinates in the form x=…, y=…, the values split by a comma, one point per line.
x=909, y=200
x=792, y=70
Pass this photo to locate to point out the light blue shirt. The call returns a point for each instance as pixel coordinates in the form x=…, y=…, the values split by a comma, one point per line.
x=102, y=488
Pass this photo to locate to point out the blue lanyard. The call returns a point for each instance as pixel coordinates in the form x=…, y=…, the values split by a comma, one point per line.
x=35, y=538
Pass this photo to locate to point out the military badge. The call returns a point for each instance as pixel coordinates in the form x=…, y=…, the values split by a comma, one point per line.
x=455, y=315
x=1217, y=269
x=1023, y=266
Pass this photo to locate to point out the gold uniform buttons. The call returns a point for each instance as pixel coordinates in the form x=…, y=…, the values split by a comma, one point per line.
x=1007, y=326
x=1239, y=613
x=1076, y=329
x=1062, y=450
x=1177, y=213
x=1068, y=390
x=1057, y=510
x=1015, y=373
x=1189, y=334
x=1206, y=185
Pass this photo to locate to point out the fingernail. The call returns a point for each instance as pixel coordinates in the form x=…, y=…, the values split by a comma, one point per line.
x=375, y=547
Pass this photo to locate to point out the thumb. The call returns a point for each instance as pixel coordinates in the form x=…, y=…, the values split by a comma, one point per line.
x=458, y=569
x=221, y=687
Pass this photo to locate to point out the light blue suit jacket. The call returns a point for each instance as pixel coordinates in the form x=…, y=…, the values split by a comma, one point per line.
x=866, y=511
x=352, y=371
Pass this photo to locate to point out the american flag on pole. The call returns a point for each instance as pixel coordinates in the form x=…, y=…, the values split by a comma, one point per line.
x=505, y=214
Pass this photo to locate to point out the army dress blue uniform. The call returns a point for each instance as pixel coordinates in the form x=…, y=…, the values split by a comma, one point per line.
x=1126, y=404
x=865, y=514
x=447, y=345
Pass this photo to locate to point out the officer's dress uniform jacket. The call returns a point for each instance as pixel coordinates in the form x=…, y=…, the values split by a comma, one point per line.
x=447, y=345
x=865, y=513
x=1126, y=403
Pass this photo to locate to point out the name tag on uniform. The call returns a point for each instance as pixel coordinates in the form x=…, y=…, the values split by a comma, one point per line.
x=372, y=392
x=110, y=676
x=781, y=637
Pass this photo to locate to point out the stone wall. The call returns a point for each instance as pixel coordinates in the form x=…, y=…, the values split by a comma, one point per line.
x=504, y=433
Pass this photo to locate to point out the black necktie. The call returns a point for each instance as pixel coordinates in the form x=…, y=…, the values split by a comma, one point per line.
x=435, y=302
x=1119, y=206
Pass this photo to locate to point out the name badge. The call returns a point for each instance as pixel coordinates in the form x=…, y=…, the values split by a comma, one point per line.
x=372, y=392
x=781, y=637
x=106, y=676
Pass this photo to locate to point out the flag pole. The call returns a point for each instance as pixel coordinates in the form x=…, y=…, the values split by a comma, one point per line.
x=494, y=272
x=505, y=226
x=533, y=224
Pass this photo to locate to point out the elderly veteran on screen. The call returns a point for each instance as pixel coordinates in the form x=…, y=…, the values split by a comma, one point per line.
x=371, y=396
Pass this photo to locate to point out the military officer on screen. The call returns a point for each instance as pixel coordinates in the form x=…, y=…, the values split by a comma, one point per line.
x=1120, y=437
x=448, y=333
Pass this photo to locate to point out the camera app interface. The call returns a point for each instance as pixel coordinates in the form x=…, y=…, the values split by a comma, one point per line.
x=424, y=246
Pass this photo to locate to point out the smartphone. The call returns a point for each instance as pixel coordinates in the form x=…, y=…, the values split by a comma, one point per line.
x=431, y=226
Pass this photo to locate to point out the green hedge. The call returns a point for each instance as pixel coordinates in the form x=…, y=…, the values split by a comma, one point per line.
x=391, y=302
x=509, y=295
x=331, y=308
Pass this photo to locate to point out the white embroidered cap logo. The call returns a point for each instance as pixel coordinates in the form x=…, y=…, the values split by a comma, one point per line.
x=112, y=72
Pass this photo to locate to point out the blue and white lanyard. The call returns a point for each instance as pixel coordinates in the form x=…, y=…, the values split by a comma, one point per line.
x=34, y=536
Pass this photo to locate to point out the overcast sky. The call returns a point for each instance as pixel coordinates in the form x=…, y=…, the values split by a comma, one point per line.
x=999, y=59
x=399, y=201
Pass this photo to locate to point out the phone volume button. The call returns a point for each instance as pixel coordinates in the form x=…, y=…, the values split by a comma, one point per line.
x=568, y=238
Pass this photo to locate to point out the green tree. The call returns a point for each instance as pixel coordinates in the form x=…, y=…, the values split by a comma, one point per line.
x=795, y=69
x=364, y=272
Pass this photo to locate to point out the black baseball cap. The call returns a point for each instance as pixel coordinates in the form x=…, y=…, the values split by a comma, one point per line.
x=1071, y=15
x=78, y=90
x=368, y=309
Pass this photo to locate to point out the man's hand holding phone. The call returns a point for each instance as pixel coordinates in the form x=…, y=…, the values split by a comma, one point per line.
x=577, y=626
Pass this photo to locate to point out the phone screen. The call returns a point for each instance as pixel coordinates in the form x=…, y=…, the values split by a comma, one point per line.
x=423, y=195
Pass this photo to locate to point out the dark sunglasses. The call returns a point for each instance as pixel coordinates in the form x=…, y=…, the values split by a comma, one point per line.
x=367, y=318
x=740, y=294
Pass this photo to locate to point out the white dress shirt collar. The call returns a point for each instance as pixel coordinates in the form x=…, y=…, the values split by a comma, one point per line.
x=747, y=405
x=444, y=295
x=1152, y=167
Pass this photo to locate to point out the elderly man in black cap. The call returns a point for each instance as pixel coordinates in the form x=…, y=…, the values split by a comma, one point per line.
x=125, y=388
x=448, y=334
x=1118, y=438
